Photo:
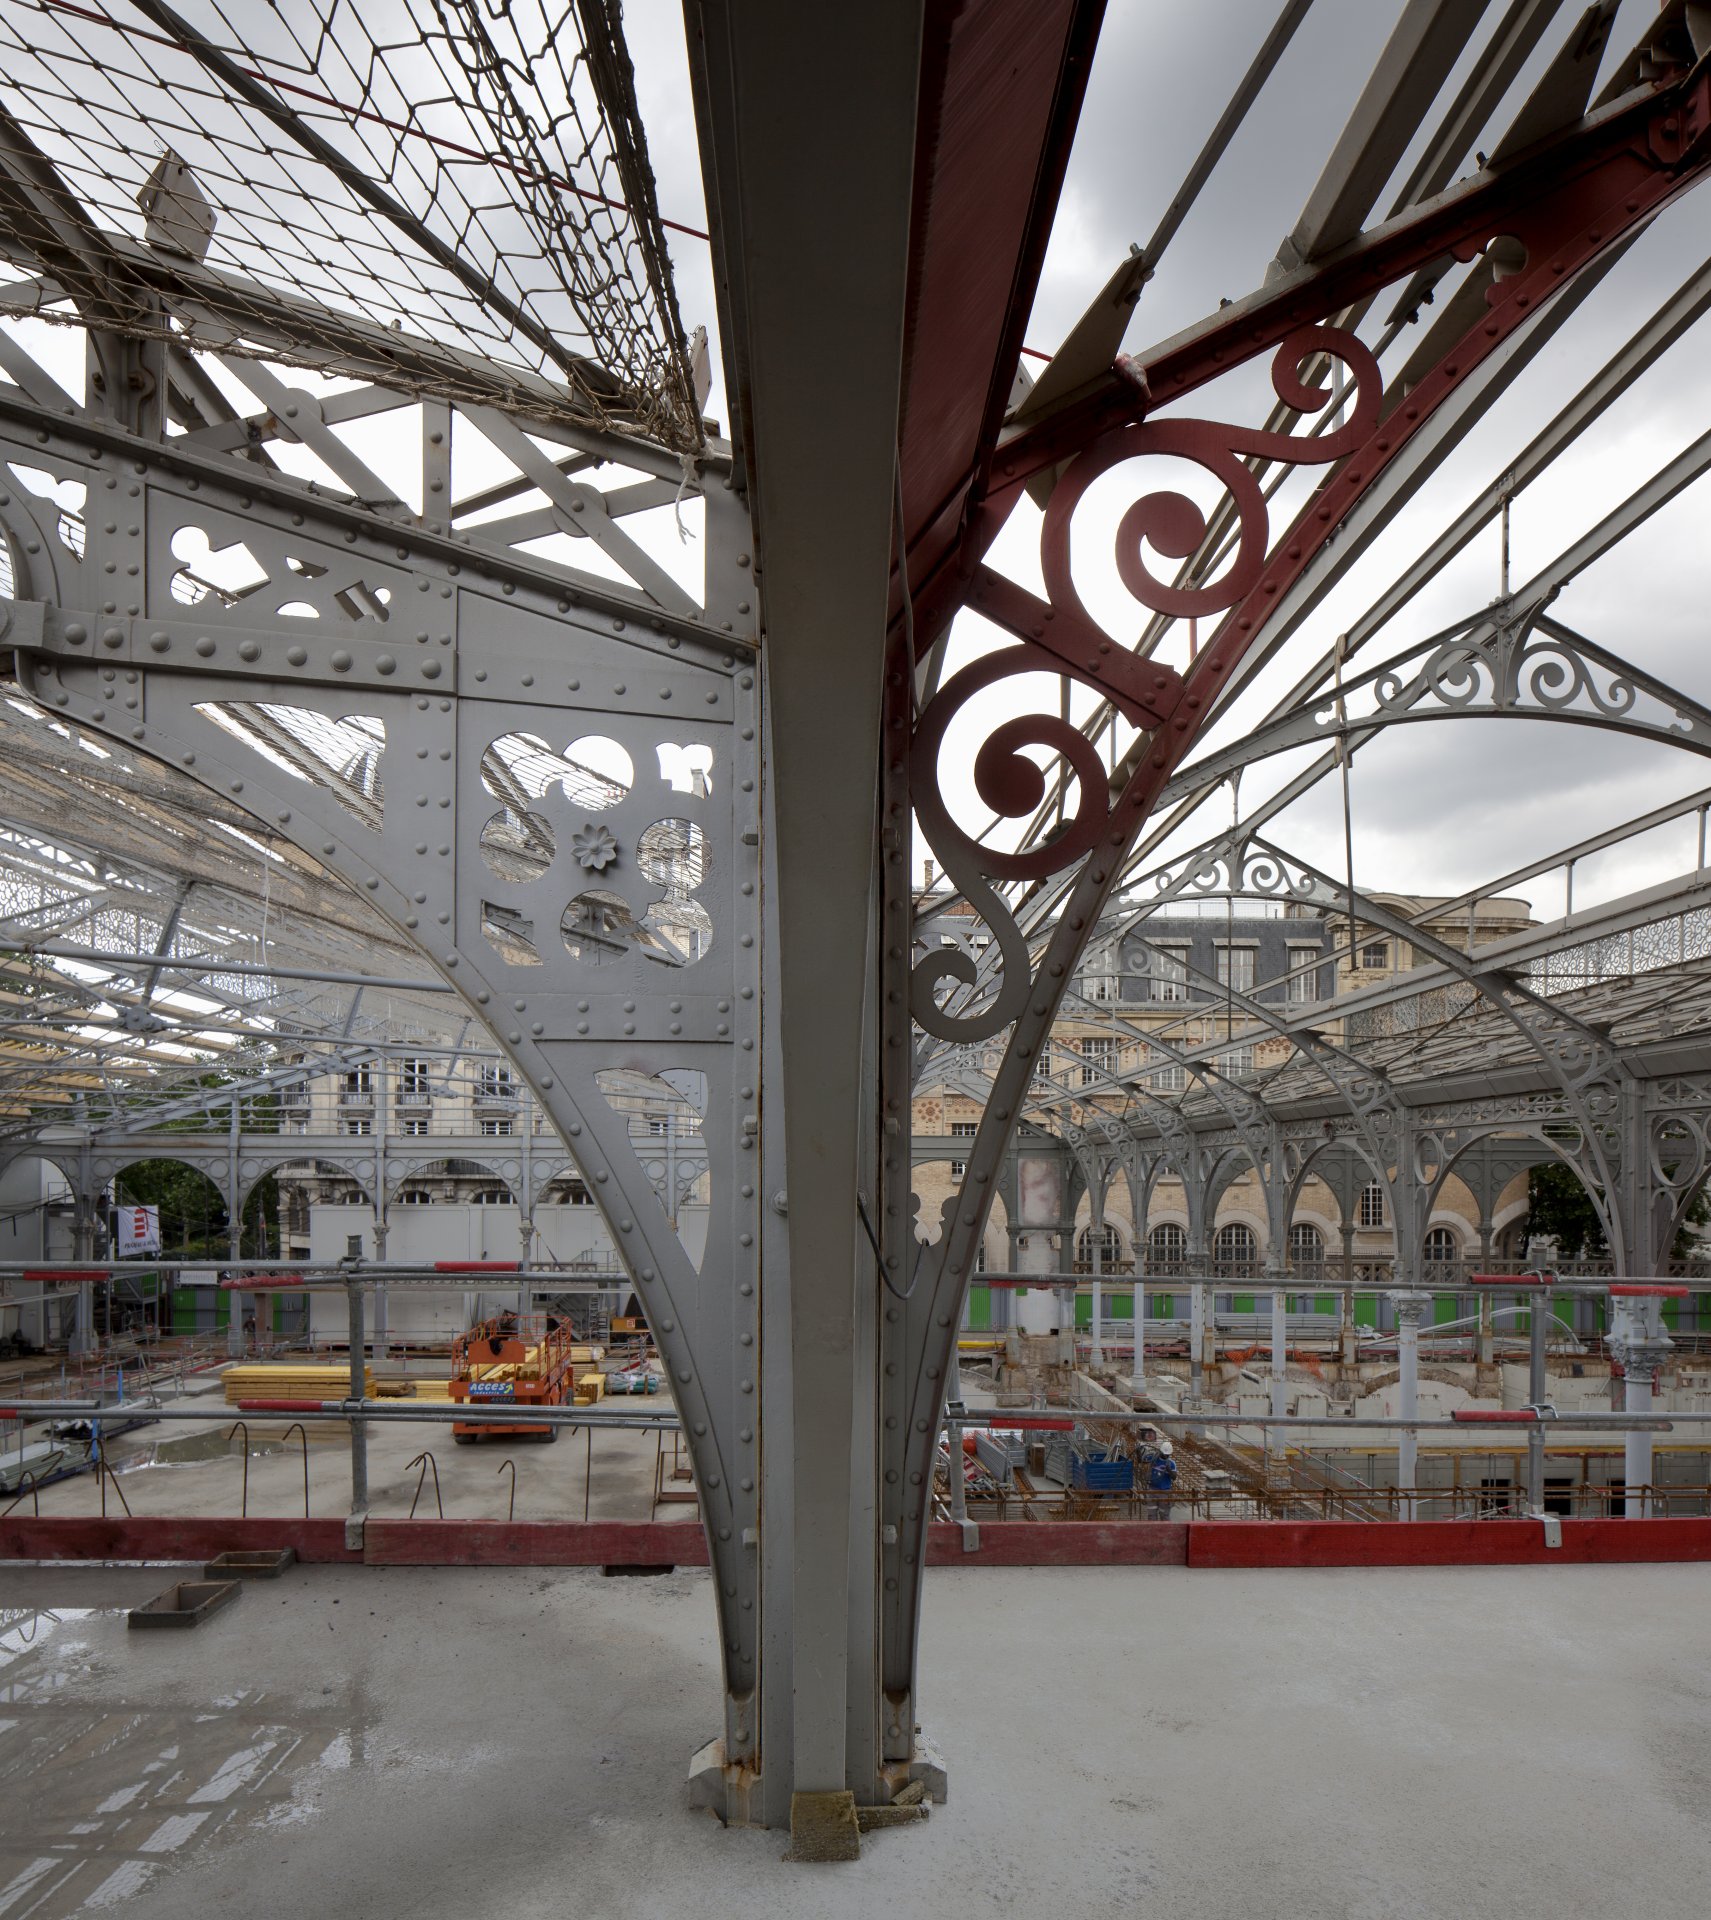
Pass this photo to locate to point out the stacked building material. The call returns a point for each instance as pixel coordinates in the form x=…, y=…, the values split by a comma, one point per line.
x=307, y=1385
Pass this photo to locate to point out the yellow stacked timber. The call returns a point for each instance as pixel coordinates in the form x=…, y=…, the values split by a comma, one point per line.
x=587, y=1356
x=431, y=1390
x=591, y=1387
x=305, y=1385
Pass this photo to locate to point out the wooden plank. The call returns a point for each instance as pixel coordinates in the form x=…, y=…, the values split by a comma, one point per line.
x=150, y=1537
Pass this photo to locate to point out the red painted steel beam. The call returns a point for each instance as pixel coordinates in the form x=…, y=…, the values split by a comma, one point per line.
x=1567, y=201
x=71, y=1276
x=1002, y=87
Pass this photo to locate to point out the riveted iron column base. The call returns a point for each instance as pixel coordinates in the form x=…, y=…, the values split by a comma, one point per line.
x=728, y=1789
x=926, y=1765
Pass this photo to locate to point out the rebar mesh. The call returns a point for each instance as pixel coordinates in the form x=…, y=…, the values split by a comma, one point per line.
x=453, y=194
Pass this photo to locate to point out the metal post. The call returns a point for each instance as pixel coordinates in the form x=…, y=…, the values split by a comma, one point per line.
x=1346, y=1329
x=1197, y=1336
x=1138, y=1379
x=234, y=1237
x=1279, y=1351
x=1410, y=1309
x=83, y=1243
x=1639, y=1343
x=1097, y=1237
x=359, y=1426
x=1538, y=1324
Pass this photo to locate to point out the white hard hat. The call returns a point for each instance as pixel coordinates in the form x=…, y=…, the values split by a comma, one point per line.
x=1166, y=1448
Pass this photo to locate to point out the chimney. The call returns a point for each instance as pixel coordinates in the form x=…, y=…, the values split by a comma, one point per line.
x=927, y=872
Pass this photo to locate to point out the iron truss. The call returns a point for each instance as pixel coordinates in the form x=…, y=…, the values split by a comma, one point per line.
x=362, y=685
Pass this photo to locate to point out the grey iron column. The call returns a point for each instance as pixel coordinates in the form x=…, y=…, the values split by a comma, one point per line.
x=1346, y=1300
x=1639, y=1344
x=1410, y=1310
x=1277, y=1280
x=1538, y=1323
x=1138, y=1374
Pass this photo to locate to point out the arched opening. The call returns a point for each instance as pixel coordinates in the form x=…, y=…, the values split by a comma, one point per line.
x=1109, y=1241
x=1167, y=1251
x=37, y=1207
x=1235, y=1252
x=175, y=1211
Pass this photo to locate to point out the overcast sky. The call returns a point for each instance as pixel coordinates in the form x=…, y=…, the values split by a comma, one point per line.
x=1439, y=806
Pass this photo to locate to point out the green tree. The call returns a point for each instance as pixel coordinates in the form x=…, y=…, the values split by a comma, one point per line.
x=1559, y=1205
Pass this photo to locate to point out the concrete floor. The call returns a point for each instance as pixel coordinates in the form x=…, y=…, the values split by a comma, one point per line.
x=1338, y=1745
x=194, y=1469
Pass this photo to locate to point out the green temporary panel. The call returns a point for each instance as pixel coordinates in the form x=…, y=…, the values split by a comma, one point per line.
x=1244, y=1303
x=1122, y=1308
x=1084, y=1309
x=1672, y=1313
x=1324, y=1303
x=1443, y=1308
x=980, y=1308
x=1366, y=1310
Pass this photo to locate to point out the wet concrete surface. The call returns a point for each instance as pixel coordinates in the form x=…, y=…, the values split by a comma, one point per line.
x=399, y=1743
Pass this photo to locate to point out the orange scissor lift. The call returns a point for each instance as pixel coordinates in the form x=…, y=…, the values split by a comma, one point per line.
x=512, y=1360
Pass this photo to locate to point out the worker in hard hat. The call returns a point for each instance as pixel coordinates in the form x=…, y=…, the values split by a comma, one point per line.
x=1161, y=1477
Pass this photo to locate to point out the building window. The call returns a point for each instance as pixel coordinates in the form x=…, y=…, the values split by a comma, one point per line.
x=1099, y=1061
x=1442, y=1253
x=1043, y=1064
x=958, y=1169
x=1170, y=973
x=1375, y=954
x=964, y=1129
x=1236, y=967
x=1235, y=1250
x=414, y=1128
x=1167, y=1249
x=494, y=1083
x=659, y=1125
x=358, y=1124
x=1372, y=1204
x=493, y=1128
x=576, y=1194
x=1236, y=1063
x=491, y=1197
x=413, y=1077
x=1306, y=1249
x=414, y=1197
x=1168, y=1079
x=1303, y=976
x=358, y=1080
x=298, y=1126
x=1110, y=1249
